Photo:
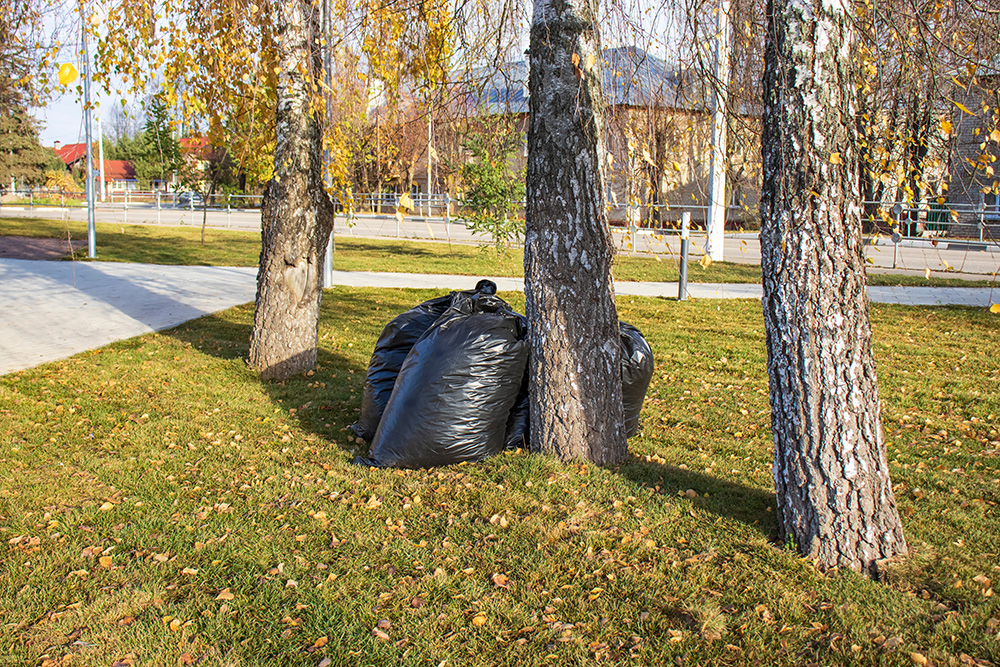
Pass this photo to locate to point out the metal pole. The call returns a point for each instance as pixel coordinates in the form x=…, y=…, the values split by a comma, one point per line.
x=429, y=149
x=100, y=152
x=682, y=283
x=91, y=225
x=447, y=215
x=717, y=176
x=327, y=277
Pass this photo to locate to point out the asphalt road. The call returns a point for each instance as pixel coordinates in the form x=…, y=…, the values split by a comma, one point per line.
x=943, y=257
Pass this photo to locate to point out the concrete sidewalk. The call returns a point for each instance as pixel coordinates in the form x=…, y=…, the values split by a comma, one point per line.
x=53, y=310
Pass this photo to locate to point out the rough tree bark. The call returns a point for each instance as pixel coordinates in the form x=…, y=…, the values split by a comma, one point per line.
x=297, y=215
x=576, y=404
x=835, y=500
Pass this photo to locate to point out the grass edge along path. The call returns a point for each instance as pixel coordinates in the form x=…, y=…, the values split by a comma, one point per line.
x=160, y=505
x=154, y=244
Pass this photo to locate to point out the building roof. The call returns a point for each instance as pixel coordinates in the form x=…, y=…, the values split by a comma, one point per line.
x=70, y=153
x=194, y=146
x=114, y=170
x=631, y=77
x=118, y=170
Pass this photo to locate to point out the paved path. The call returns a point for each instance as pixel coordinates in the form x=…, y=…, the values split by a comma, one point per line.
x=53, y=310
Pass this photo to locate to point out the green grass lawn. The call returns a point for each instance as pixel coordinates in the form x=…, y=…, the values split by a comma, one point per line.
x=159, y=505
x=182, y=245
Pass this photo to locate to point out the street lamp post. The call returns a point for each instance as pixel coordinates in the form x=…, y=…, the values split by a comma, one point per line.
x=91, y=226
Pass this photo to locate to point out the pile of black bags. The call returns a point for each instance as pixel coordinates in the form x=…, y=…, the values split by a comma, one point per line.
x=447, y=382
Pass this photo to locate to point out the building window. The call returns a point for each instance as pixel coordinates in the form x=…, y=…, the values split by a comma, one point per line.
x=991, y=206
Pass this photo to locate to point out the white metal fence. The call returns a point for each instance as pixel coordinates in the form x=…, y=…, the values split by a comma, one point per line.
x=926, y=220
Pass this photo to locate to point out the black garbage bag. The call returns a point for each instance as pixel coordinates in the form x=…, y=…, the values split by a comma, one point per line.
x=455, y=390
x=637, y=373
x=394, y=343
x=518, y=422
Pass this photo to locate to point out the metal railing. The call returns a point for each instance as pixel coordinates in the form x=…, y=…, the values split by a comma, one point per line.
x=894, y=219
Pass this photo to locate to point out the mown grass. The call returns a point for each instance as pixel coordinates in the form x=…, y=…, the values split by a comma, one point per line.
x=159, y=505
x=182, y=245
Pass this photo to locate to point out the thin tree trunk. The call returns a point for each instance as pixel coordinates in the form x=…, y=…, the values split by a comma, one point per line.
x=834, y=496
x=297, y=215
x=576, y=404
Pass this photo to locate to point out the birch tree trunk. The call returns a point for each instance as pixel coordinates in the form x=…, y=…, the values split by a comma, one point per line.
x=834, y=496
x=575, y=373
x=297, y=215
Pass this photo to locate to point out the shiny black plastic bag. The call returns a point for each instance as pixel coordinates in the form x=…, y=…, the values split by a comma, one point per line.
x=454, y=393
x=637, y=373
x=394, y=343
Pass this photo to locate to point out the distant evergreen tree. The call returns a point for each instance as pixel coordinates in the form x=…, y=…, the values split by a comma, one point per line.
x=22, y=157
x=160, y=152
x=154, y=153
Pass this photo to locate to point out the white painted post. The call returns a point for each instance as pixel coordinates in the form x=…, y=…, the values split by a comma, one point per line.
x=682, y=281
x=718, y=205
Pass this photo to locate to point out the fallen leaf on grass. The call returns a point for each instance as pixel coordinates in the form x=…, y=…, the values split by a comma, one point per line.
x=225, y=594
x=189, y=570
x=501, y=581
x=379, y=634
x=321, y=642
x=104, y=561
x=479, y=620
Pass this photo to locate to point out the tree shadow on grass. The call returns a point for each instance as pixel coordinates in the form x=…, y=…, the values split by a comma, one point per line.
x=723, y=498
x=396, y=248
x=322, y=404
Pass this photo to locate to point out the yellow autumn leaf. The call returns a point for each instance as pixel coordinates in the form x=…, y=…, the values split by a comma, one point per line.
x=189, y=570
x=835, y=158
x=964, y=108
x=175, y=625
x=677, y=166
x=405, y=202
x=946, y=126
x=927, y=273
x=995, y=309
x=67, y=74
x=705, y=261
x=105, y=561
x=225, y=594
x=995, y=135
x=321, y=642
x=479, y=620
